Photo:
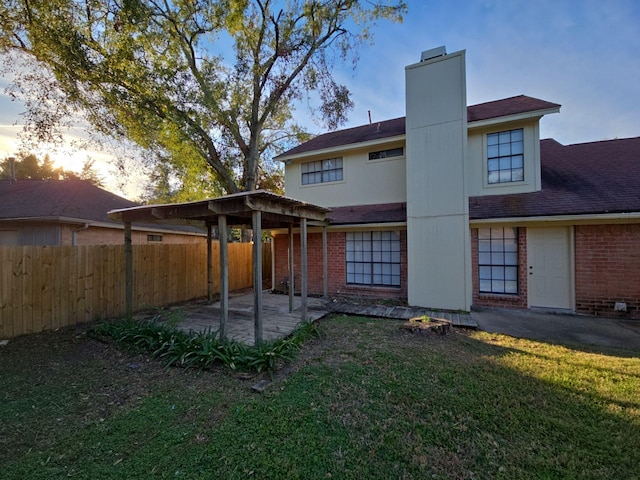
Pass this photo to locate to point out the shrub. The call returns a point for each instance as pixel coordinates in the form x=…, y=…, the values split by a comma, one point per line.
x=203, y=349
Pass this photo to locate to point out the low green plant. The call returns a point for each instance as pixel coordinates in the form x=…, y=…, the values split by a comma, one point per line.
x=203, y=349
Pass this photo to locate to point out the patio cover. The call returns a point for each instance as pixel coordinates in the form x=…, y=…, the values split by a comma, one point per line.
x=256, y=210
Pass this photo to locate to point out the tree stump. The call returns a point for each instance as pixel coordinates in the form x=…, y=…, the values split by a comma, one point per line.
x=424, y=325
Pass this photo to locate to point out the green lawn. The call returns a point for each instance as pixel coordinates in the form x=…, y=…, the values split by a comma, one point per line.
x=365, y=400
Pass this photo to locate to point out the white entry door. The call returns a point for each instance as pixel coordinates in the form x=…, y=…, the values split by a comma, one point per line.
x=549, y=253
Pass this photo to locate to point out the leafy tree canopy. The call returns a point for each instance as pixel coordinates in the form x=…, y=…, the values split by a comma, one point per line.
x=27, y=166
x=155, y=72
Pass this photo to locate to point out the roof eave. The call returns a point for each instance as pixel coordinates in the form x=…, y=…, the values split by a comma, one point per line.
x=535, y=114
x=341, y=148
x=631, y=217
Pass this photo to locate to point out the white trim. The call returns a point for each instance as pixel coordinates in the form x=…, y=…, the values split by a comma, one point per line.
x=536, y=115
x=585, y=219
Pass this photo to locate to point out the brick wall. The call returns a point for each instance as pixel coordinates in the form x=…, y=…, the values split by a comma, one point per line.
x=497, y=300
x=336, y=267
x=607, y=262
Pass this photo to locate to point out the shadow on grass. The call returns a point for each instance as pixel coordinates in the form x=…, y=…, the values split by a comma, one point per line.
x=364, y=401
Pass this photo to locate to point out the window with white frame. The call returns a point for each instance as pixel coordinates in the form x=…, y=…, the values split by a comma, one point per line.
x=373, y=258
x=505, y=156
x=498, y=260
x=322, y=171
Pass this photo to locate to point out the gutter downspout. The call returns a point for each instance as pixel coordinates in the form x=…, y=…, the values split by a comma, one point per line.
x=74, y=238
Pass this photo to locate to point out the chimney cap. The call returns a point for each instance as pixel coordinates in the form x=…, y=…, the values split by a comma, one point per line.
x=433, y=53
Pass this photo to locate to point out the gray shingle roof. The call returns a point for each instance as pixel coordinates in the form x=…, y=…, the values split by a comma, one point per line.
x=64, y=200
x=586, y=178
x=360, y=214
x=396, y=126
x=54, y=199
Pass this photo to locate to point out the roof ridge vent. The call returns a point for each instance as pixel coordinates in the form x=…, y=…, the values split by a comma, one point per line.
x=433, y=53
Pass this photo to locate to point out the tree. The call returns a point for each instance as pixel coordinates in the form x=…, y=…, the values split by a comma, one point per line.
x=90, y=174
x=154, y=72
x=28, y=167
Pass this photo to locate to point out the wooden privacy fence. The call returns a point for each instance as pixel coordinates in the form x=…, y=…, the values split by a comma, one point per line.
x=45, y=288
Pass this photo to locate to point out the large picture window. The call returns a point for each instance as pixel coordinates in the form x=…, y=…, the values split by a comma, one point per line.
x=498, y=260
x=505, y=156
x=373, y=258
x=321, y=171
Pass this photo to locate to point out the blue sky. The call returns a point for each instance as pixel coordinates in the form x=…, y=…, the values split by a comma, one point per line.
x=584, y=55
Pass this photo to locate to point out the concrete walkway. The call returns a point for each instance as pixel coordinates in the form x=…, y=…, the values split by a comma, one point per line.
x=560, y=328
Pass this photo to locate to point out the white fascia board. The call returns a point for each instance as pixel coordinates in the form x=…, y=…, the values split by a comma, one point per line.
x=536, y=114
x=586, y=219
x=343, y=148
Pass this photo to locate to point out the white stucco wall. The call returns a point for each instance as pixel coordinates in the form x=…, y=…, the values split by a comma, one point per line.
x=365, y=182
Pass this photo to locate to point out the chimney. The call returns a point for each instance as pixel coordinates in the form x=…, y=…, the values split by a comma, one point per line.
x=437, y=201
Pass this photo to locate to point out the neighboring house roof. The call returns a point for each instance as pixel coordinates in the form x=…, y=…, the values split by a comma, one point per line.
x=359, y=214
x=71, y=201
x=396, y=127
x=586, y=178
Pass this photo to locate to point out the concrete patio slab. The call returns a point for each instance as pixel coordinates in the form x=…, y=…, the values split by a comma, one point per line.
x=277, y=321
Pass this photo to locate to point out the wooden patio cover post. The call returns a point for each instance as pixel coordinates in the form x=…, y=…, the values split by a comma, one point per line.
x=303, y=268
x=236, y=209
x=256, y=224
x=291, y=270
x=224, y=275
x=325, y=273
x=128, y=269
x=209, y=265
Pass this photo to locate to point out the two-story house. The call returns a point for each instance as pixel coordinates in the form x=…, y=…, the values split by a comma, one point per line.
x=456, y=205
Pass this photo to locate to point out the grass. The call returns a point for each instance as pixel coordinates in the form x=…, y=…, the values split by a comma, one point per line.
x=364, y=400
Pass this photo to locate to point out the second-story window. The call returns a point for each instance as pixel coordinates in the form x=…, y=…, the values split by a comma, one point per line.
x=321, y=171
x=505, y=156
x=392, y=152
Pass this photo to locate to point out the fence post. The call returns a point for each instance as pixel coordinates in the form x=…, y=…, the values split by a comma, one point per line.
x=128, y=267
